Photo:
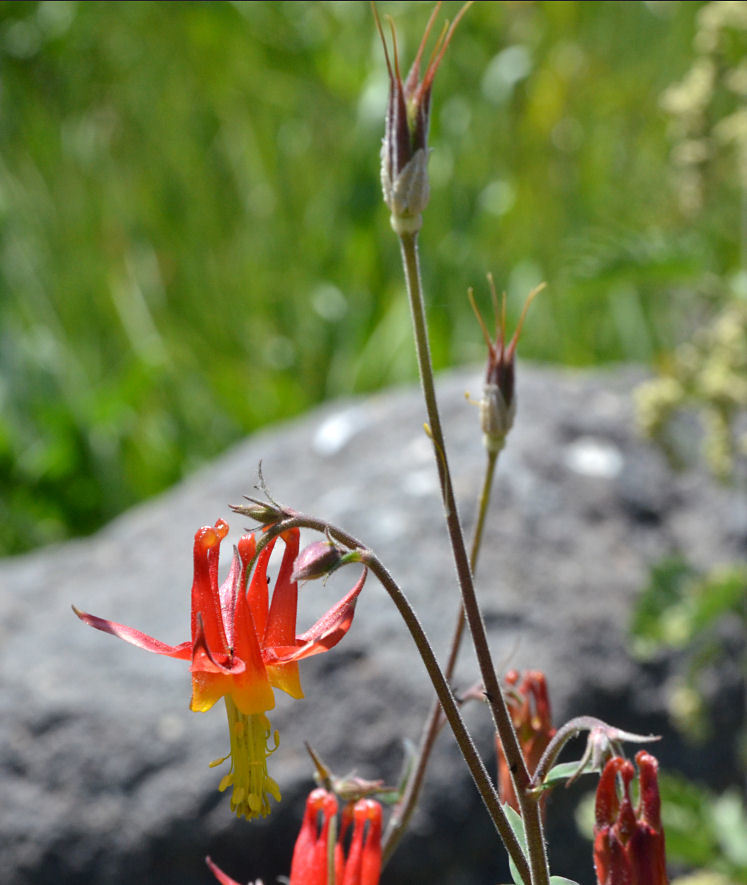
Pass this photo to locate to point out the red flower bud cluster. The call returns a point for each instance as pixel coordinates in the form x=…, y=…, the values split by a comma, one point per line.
x=313, y=850
x=628, y=843
x=529, y=706
x=317, y=846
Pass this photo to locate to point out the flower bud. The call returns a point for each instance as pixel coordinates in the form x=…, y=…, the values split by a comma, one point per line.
x=404, y=150
x=363, y=861
x=498, y=401
x=313, y=851
x=262, y=512
x=628, y=843
x=317, y=560
x=529, y=707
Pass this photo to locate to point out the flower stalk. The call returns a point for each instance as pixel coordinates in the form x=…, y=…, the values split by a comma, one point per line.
x=401, y=815
x=540, y=873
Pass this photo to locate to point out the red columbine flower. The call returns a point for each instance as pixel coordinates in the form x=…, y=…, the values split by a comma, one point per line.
x=243, y=646
x=533, y=726
x=628, y=844
x=317, y=844
x=363, y=863
x=404, y=151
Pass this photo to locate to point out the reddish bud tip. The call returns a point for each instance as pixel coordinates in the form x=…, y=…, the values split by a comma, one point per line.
x=628, y=844
x=529, y=705
x=317, y=560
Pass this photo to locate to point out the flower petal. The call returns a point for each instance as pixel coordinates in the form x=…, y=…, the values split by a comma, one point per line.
x=257, y=594
x=204, y=661
x=235, y=584
x=211, y=679
x=205, y=594
x=281, y=620
x=219, y=874
x=135, y=637
x=207, y=689
x=252, y=690
x=286, y=677
x=324, y=635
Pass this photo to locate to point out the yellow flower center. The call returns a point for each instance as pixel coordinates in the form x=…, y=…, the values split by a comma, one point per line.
x=252, y=786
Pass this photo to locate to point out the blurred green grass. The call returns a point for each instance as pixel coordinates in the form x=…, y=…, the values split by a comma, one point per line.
x=193, y=243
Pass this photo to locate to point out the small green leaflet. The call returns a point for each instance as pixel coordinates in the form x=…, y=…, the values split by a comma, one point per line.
x=566, y=770
x=560, y=880
x=517, y=825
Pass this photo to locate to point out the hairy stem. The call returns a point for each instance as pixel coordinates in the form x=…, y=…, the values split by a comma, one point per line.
x=400, y=818
x=540, y=874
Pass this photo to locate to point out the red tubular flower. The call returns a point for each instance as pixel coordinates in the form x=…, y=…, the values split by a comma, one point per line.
x=243, y=646
x=316, y=839
x=317, y=844
x=629, y=845
x=363, y=864
x=533, y=726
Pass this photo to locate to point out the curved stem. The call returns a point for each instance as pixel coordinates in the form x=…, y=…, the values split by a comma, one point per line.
x=400, y=818
x=540, y=873
x=561, y=737
x=446, y=698
x=595, y=750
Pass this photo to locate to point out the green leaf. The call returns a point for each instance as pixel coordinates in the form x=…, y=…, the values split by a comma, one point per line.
x=517, y=825
x=390, y=798
x=566, y=770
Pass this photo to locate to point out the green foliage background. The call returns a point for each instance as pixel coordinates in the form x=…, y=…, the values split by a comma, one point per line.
x=193, y=243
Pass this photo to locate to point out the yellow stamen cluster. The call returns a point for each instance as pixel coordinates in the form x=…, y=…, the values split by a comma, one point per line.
x=252, y=786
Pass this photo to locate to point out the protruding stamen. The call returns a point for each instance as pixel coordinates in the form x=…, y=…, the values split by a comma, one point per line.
x=252, y=786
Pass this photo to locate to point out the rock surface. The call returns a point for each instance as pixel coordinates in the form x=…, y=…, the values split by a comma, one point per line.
x=104, y=770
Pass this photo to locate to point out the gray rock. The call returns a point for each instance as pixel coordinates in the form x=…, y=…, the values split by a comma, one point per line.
x=104, y=770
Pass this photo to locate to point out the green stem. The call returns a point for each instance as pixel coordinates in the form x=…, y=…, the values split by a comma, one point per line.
x=446, y=698
x=540, y=873
x=400, y=818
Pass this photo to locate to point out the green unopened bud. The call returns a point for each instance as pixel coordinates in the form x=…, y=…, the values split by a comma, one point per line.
x=496, y=417
x=262, y=512
x=404, y=150
x=406, y=192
